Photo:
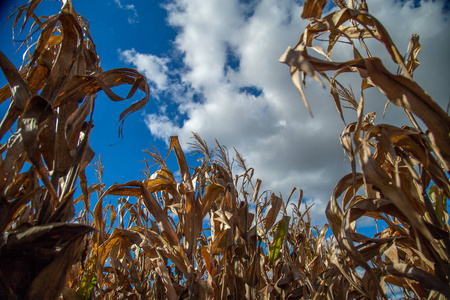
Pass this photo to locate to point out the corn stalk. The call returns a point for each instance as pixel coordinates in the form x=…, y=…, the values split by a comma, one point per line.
x=404, y=171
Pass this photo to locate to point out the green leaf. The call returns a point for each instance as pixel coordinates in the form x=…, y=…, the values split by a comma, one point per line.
x=278, y=239
x=439, y=200
x=88, y=282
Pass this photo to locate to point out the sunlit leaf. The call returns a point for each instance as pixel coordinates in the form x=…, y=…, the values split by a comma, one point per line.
x=279, y=235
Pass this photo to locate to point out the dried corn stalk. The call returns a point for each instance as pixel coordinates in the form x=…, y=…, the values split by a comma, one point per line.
x=52, y=99
x=404, y=171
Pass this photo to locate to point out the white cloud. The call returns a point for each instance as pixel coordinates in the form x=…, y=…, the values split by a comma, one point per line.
x=161, y=126
x=133, y=14
x=230, y=48
x=152, y=67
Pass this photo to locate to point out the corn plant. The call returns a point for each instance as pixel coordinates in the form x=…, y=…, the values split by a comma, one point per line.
x=52, y=98
x=403, y=180
x=210, y=235
x=213, y=233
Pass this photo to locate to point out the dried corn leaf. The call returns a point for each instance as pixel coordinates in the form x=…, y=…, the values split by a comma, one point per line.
x=272, y=214
x=19, y=90
x=426, y=279
x=313, y=8
x=212, y=193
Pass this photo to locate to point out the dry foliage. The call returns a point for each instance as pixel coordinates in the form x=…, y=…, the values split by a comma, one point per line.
x=404, y=171
x=197, y=238
x=52, y=99
x=212, y=234
x=157, y=238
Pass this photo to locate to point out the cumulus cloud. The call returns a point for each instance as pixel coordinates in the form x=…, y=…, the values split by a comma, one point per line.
x=154, y=68
x=230, y=51
x=131, y=9
x=161, y=126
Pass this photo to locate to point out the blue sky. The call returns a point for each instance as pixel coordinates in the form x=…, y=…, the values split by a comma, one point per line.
x=213, y=68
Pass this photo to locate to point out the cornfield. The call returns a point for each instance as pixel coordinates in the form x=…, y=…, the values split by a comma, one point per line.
x=215, y=234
